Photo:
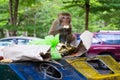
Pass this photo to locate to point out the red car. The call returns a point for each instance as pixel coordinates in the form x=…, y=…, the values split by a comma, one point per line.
x=106, y=43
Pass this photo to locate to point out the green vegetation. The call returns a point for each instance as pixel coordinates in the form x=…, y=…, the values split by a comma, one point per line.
x=36, y=16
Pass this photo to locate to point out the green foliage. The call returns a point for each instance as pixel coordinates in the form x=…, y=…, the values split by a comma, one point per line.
x=28, y=3
x=40, y=16
x=3, y=13
x=37, y=15
x=110, y=27
x=100, y=10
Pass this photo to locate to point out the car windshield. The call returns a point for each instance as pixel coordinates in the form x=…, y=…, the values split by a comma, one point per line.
x=109, y=38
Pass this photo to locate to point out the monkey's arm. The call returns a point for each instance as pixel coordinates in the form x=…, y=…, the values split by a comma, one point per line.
x=55, y=27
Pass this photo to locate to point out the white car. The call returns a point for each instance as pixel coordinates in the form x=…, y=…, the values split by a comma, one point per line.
x=16, y=40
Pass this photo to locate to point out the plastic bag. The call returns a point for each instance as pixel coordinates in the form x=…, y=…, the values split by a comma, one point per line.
x=52, y=41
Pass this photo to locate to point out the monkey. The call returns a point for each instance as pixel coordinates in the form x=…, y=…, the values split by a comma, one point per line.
x=62, y=25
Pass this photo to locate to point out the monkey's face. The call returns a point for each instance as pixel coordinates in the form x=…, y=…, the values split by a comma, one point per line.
x=65, y=20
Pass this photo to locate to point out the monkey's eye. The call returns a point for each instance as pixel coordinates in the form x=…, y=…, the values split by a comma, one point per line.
x=65, y=17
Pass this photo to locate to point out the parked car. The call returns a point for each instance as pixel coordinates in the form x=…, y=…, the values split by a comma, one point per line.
x=106, y=43
x=16, y=40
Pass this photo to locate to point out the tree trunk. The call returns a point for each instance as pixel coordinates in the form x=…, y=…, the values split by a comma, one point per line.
x=11, y=11
x=87, y=7
x=1, y=32
x=13, y=8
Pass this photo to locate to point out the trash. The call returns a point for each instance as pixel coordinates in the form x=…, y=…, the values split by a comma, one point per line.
x=51, y=41
x=27, y=52
x=46, y=49
x=55, y=54
x=65, y=49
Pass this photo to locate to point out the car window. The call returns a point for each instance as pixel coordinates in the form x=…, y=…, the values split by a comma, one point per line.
x=22, y=41
x=112, y=42
x=109, y=38
x=7, y=40
x=16, y=41
x=4, y=43
x=95, y=41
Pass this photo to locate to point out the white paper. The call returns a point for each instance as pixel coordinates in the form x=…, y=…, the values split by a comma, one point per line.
x=86, y=37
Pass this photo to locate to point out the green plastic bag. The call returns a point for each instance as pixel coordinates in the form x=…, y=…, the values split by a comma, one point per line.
x=55, y=54
x=52, y=41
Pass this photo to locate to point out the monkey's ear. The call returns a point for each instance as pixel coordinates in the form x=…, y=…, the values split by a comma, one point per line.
x=60, y=19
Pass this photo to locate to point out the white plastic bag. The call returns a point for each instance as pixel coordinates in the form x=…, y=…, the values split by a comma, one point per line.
x=25, y=52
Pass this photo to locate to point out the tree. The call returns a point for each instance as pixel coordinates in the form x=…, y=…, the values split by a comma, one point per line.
x=13, y=9
x=95, y=6
x=85, y=4
x=87, y=8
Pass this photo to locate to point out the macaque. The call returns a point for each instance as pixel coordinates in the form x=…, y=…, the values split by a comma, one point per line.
x=62, y=25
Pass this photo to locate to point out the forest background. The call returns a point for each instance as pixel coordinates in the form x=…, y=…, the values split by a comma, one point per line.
x=34, y=17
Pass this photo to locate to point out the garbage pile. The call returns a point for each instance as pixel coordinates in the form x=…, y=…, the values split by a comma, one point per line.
x=47, y=49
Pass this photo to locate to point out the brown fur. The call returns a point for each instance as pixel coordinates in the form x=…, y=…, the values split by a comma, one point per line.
x=58, y=24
